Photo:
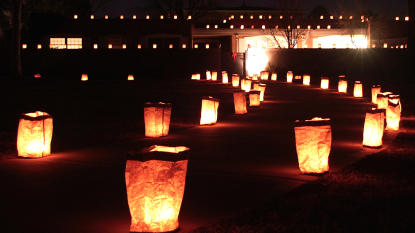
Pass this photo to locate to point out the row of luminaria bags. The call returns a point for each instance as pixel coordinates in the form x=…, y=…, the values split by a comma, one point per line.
x=155, y=176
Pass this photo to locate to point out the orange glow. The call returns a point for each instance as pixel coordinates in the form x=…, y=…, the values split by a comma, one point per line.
x=242, y=26
x=342, y=86
x=183, y=46
x=375, y=91
x=209, y=114
x=84, y=77
x=110, y=46
x=194, y=77
x=255, y=77
x=373, y=128
x=147, y=17
x=37, y=75
x=385, y=45
x=313, y=144
x=39, y=46
x=264, y=75
x=139, y=46
x=189, y=17
x=207, y=26
x=289, y=77
x=106, y=16
x=254, y=98
x=239, y=100
x=235, y=80
x=130, y=77
x=75, y=16
x=297, y=77
x=306, y=79
x=95, y=46
x=134, y=16
x=92, y=16
x=393, y=113
x=170, y=46
x=224, y=77
x=382, y=100
x=121, y=16
x=124, y=46
x=161, y=16
x=321, y=17
x=397, y=18
x=262, y=87
x=274, y=76
x=406, y=18
x=24, y=46
x=154, y=46
x=208, y=75
x=214, y=75
x=247, y=85
x=155, y=181
x=34, y=135
x=175, y=17
x=196, y=46
x=157, y=119
x=358, y=89
x=207, y=46
x=324, y=83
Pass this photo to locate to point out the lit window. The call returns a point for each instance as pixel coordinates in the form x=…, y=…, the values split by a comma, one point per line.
x=74, y=43
x=57, y=43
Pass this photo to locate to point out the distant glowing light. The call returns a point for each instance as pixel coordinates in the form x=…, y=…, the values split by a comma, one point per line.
x=189, y=17
x=147, y=17
x=231, y=26
x=341, y=17
x=207, y=46
x=134, y=16
x=328, y=26
x=331, y=17
x=263, y=26
x=75, y=16
x=397, y=18
x=154, y=46
x=110, y=46
x=407, y=18
x=281, y=16
x=106, y=16
x=92, y=16
x=124, y=46
x=170, y=46
x=216, y=26
x=321, y=17
x=385, y=45
x=224, y=21
x=95, y=46
x=183, y=46
x=196, y=46
x=260, y=16
x=175, y=17
x=139, y=46
x=241, y=16
x=256, y=61
x=121, y=16
x=242, y=26
x=318, y=26
x=161, y=16
x=24, y=46
x=207, y=26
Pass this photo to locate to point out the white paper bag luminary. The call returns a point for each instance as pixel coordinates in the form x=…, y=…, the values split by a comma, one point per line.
x=155, y=180
x=274, y=76
x=34, y=135
x=209, y=112
x=239, y=99
x=324, y=83
x=375, y=91
x=254, y=98
x=289, y=77
x=225, y=78
x=373, y=128
x=214, y=75
x=306, y=79
x=393, y=116
x=358, y=89
x=264, y=75
x=342, y=86
x=235, y=80
x=157, y=119
x=313, y=144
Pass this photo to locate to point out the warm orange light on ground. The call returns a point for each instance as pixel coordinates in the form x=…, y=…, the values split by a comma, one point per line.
x=34, y=135
x=274, y=76
x=37, y=75
x=324, y=83
x=239, y=100
x=224, y=77
x=375, y=91
x=157, y=119
x=130, y=77
x=235, y=80
x=84, y=77
x=342, y=86
x=373, y=128
x=358, y=89
x=208, y=75
x=264, y=75
x=289, y=77
x=393, y=115
x=214, y=75
x=155, y=180
x=254, y=98
x=209, y=114
x=313, y=144
x=306, y=79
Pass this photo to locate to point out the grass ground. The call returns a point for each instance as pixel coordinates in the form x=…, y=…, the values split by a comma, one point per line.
x=375, y=194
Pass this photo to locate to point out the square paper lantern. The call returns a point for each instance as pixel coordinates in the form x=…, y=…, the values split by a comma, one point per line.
x=209, y=114
x=264, y=75
x=155, y=180
x=393, y=116
x=255, y=77
x=208, y=75
x=235, y=80
x=130, y=77
x=382, y=99
x=224, y=77
x=342, y=85
x=157, y=119
x=373, y=129
x=375, y=92
x=84, y=77
x=262, y=87
x=214, y=75
x=306, y=79
x=358, y=89
x=194, y=77
x=289, y=77
x=313, y=144
x=274, y=76
x=324, y=83
x=254, y=98
x=34, y=134
x=239, y=100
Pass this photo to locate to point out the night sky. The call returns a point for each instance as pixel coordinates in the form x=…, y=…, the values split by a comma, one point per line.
x=392, y=7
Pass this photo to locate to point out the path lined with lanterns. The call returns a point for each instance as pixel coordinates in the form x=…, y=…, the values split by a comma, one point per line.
x=234, y=164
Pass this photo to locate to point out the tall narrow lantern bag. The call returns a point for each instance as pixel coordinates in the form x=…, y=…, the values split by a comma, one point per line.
x=262, y=87
x=393, y=116
x=274, y=76
x=208, y=75
x=358, y=89
x=235, y=80
x=382, y=100
x=324, y=83
x=209, y=114
x=155, y=180
x=289, y=77
x=375, y=91
x=306, y=79
x=342, y=86
x=239, y=100
x=224, y=77
x=214, y=75
x=34, y=135
x=313, y=144
x=254, y=98
x=157, y=119
x=373, y=128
